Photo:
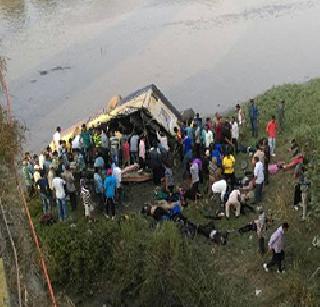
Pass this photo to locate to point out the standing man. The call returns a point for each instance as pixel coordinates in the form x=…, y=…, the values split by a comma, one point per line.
x=209, y=138
x=234, y=134
x=240, y=115
x=258, y=179
x=115, y=148
x=280, y=112
x=276, y=245
x=228, y=164
x=254, y=116
x=194, y=171
x=58, y=185
x=67, y=175
x=57, y=138
x=110, y=185
x=134, y=148
x=271, y=130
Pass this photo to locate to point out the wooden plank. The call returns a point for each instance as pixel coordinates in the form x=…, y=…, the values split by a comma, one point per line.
x=4, y=297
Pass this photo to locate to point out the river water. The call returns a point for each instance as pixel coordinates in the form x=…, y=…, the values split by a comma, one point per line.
x=67, y=58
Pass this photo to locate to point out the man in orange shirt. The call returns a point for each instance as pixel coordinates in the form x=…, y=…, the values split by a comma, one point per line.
x=271, y=129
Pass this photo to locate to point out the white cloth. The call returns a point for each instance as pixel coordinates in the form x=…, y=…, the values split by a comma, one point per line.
x=76, y=142
x=36, y=176
x=234, y=197
x=235, y=131
x=58, y=184
x=116, y=172
x=41, y=161
x=258, y=172
x=194, y=170
x=220, y=187
x=209, y=138
x=56, y=138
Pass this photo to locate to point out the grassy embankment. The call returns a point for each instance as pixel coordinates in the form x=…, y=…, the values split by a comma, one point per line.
x=132, y=262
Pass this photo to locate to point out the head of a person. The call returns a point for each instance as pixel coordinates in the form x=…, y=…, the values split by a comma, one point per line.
x=273, y=118
x=255, y=160
x=58, y=129
x=252, y=101
x=197, y=115
x=237, y=106
x=233, y=119
x=285, y=226
x=283, y=101
x=67, y=168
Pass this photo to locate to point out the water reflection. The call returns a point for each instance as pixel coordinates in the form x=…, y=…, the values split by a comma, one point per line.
x=201, y=53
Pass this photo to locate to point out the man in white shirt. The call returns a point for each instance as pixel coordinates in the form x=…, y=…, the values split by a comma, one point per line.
x=57, y=138
x=220, y=187
x=258, y=179
x=209, y=138
x=234, y=200
x=58, y=185
x=234, y=133
x=194, y=171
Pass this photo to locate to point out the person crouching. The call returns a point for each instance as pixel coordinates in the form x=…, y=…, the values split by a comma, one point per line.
x=234, y=200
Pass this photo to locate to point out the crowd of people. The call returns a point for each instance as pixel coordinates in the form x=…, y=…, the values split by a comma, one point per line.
x=198, y=162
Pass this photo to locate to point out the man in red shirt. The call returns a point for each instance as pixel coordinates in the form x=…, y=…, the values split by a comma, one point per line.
x=271, y=129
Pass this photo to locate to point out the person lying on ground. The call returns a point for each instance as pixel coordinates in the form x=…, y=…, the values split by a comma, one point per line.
x=260, y=226
x=209, y=231
x=164, y=211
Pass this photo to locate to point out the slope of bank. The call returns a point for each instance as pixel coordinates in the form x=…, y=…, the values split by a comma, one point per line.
x=23, y=282
x=132, y=262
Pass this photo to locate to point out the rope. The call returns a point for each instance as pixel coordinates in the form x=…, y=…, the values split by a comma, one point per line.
x=14, y=252
x=37, y=243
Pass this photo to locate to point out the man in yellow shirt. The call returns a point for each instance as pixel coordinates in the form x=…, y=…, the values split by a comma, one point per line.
x=228, y=164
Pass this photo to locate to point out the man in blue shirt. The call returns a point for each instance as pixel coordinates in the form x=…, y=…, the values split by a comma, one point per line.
x=187, y=149
x=110, y=185
x=254, y=115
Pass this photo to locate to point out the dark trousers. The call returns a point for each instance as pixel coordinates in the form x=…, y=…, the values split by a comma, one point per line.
x=141, y=163
x=297, y=194
x=73, y=200
x=231, y=179
x=254, y=127
x=258, y=193
x=276, y=260
x=100, y=201
x=235, y=145
x=261, y=245
x=266, y=173
x=111, y=206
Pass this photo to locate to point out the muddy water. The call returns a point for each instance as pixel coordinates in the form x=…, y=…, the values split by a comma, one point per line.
x=67, y=58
